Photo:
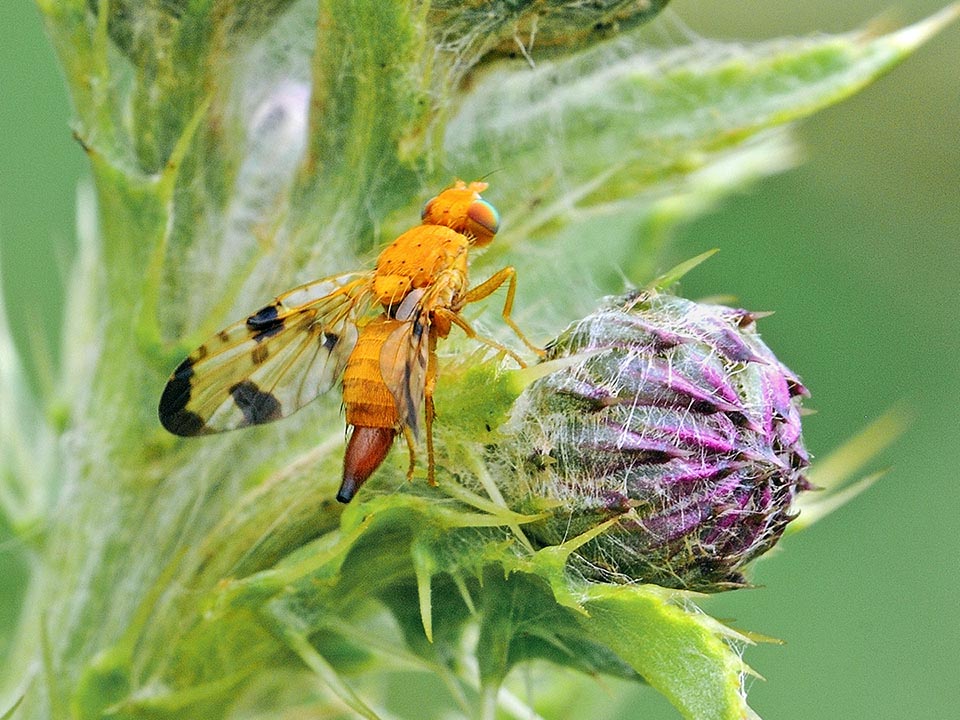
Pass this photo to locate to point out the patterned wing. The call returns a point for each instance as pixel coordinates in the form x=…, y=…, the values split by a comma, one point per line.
x=403, y=366
x=271, y=364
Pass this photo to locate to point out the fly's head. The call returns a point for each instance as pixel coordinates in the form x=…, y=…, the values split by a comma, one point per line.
x=462, y=209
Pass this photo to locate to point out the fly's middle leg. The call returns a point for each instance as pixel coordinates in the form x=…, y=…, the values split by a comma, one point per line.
x=456, y=319
x=411, y=450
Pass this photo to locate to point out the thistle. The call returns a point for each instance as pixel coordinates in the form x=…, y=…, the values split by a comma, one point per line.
x=238, y=149
x=677, y=421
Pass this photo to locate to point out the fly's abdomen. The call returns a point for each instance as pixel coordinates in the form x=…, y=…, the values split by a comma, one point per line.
x=371, y=407
x=366, y=397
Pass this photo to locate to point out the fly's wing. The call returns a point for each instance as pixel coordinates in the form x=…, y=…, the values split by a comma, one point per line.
x=271, y=364
x=403, y=366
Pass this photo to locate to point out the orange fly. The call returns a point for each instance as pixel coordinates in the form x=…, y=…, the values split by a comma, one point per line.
x=377, y=330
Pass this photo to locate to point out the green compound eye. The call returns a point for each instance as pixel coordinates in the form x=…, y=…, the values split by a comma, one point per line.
x=485, y=215
x=426, y=208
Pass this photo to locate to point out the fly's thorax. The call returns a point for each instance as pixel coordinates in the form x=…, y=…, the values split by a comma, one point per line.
x=416, y=259
x=367, y=399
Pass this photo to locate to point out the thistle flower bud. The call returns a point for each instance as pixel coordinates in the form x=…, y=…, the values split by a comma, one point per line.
x=680, y=423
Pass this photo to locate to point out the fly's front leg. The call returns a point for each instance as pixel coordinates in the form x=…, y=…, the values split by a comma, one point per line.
x=488, y=287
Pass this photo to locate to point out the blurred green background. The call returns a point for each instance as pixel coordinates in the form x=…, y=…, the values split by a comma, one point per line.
x=858, y=251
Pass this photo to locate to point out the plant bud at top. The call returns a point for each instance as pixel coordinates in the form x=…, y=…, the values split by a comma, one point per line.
x=679, y=422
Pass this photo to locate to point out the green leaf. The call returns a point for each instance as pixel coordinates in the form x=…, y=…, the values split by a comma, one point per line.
x=521, y=621
x=9, y=712
x=26, y=443
x=624, y=118
x=674, y=274
x=520, y=618
x=684, y=654
x=645, y=137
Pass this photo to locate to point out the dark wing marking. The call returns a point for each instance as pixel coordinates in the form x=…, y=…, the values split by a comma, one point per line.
x=271, y=364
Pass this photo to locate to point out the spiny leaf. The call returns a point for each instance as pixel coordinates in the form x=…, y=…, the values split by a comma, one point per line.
x=680, y=652
x=615, y=130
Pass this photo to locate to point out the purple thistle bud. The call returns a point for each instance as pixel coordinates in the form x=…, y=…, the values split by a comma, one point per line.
x=681, y=423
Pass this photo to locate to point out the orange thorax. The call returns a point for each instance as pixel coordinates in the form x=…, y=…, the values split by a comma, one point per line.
x=419, y=258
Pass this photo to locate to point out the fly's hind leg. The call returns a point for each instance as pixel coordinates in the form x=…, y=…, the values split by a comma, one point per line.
x=488, y=287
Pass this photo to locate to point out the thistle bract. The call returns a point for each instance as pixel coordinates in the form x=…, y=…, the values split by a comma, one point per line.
x=677, y=421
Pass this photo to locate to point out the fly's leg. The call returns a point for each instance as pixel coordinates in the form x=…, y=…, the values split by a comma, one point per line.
x=488, y=287
x=456, y=319
x=430, y=383
x=411, y=450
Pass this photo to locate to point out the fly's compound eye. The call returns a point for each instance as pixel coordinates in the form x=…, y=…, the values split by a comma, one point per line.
x=484, y=220
x=426, y=208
